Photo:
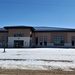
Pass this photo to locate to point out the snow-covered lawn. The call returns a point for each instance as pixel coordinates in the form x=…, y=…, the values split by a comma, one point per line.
x=38, y=59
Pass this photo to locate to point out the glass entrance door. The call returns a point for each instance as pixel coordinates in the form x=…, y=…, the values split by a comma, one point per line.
x=18, y=43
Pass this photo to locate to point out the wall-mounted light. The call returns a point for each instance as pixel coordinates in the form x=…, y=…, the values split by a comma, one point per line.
x=30, y=32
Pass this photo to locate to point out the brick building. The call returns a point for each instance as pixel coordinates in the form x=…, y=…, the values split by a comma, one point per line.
x=27, y=36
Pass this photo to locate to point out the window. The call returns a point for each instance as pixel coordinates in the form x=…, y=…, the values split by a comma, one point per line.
x=0, y=39
x=59, y=40
x=73, y=39
x=36, y=40
x=45, y=40
x=41, y=40
x=18, y=35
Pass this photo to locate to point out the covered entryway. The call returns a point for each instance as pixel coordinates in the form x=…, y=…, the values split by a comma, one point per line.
x=18, y=43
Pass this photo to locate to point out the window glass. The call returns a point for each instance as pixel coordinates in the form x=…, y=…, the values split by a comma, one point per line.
x=45, y=40
x=36, y=40
x=73, y=37
x=59, y=40
x=41, y=38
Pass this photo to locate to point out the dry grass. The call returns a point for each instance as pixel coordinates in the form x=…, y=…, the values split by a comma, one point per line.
x=35, y=72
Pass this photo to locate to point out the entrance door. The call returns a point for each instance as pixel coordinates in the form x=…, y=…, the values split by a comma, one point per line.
x=18, y=43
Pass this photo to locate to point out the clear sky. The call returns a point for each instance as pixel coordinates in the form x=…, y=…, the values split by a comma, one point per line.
x=52, y=13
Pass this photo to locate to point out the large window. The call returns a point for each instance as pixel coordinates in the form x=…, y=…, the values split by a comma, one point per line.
x=59, y=40
x=41, y=38
x=18, y=35
x=45, y=40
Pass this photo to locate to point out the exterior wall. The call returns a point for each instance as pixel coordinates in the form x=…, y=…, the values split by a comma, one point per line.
x=69, y=38
x=48, y=34
x=24, y=31
x=25, y=39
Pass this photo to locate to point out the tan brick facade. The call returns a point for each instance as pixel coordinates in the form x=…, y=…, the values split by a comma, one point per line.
x=69, y=36
x=43, y=34
x=24, y=31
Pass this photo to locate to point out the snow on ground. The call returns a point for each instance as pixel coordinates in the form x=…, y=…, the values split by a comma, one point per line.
x=38, y=58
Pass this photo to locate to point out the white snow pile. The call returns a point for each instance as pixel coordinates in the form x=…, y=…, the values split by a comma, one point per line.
x=38, y=59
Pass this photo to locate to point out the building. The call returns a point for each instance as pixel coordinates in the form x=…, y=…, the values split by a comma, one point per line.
x=27, y=36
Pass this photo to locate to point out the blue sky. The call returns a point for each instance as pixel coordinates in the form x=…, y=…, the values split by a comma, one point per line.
x=52, y=13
